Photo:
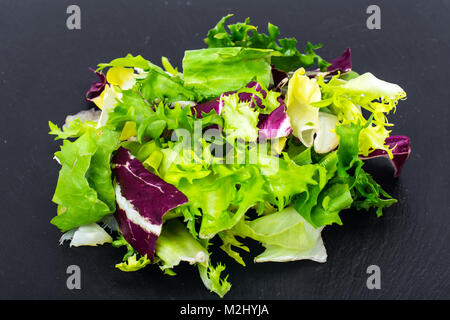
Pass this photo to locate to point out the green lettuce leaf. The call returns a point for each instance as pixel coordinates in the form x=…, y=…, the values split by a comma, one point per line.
x=323, y=202
x=176, y=244
x=334, y=198
x=305, y=201
x=180, y=161
x=99, y=172
x=159, y=86
x=74, y=129
x=211, y=72
x=84, y=192
x=286, y=235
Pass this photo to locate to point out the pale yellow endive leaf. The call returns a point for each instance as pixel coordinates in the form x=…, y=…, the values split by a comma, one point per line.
x=302, y=91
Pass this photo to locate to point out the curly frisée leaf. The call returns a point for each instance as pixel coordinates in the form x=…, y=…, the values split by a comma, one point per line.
x=153, y=82
x=130, y=261
x=346, y=99
x=240, y=121
x=366, y=193
x=216, y=194
x=129, y=61
x=229, y=241
x=288, y=180
x=242, y=34
x=211, y=277
x=133, y=264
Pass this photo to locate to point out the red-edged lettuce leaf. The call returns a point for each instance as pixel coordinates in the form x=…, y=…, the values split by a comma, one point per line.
x=97, y=87
x=401, y=151
x=142, y=200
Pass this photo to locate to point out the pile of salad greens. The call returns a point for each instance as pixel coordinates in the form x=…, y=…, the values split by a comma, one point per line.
x=253, y=139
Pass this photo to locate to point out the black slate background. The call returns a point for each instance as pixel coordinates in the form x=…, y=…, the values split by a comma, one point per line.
x=44, y=75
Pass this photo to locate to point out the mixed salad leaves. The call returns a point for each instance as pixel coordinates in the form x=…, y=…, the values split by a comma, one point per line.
x=253, y=139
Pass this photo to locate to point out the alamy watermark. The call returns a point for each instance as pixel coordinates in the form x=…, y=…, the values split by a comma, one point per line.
x=374, y=20
x=73, y=21
x=74, y=279
x=374, y=280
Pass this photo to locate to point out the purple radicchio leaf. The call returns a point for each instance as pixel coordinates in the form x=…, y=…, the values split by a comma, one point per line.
x=342, y=64
x=97, y=87
x=401, y=152
x=280, y=79
x=207, y=106
x=142, y=200
x=252, y=98
x=276, y=124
